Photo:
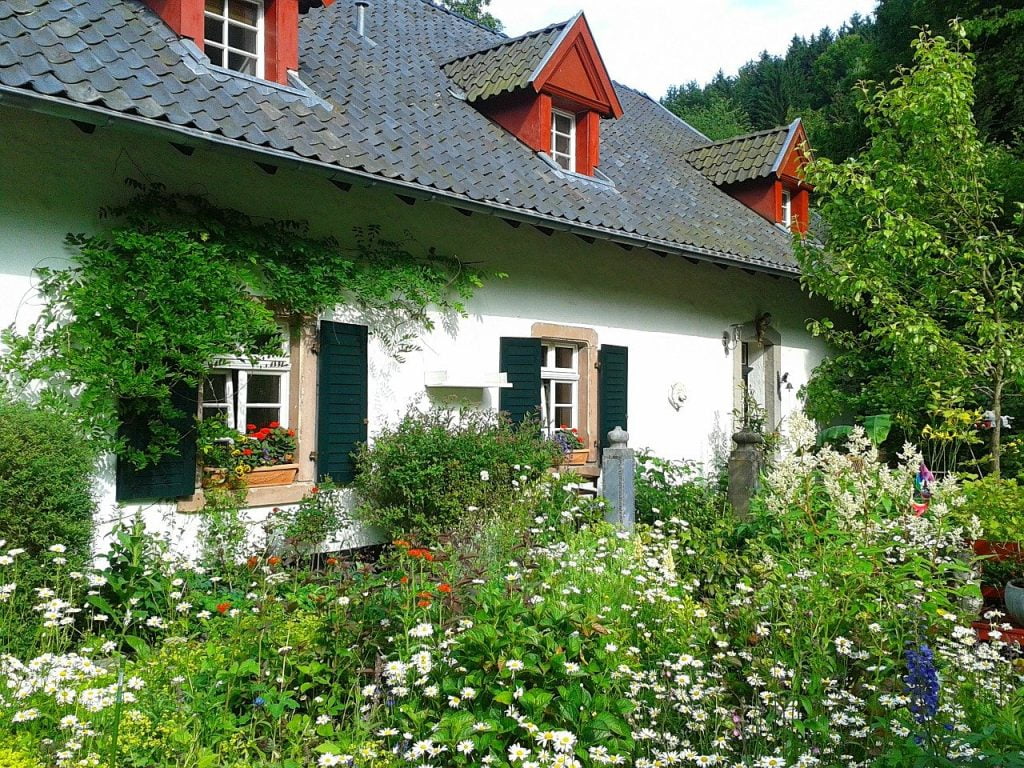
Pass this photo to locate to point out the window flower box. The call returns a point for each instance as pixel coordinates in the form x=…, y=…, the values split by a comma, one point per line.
x=577, y=457
x=257, y=477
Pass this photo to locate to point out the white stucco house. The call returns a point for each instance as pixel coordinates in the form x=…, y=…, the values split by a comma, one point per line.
x=650, y=272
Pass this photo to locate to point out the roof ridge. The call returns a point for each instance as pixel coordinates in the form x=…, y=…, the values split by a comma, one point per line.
x=464, y=18
x=509, y=40
x=743, y=136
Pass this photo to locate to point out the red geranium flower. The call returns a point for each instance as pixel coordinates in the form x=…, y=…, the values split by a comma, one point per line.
x=404, y=580
x=247, y=451
x=223, y=607
x=274, y=425
x=250, y=427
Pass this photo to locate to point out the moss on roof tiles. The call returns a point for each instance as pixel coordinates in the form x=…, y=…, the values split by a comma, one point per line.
x=742, y=158
x=504, y=67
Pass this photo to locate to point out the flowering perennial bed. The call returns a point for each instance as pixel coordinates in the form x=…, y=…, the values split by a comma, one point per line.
x=826, y=633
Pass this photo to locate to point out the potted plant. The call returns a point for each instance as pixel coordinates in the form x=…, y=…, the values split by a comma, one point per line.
x=998, y=504
x=573, y=450
x=259, y=457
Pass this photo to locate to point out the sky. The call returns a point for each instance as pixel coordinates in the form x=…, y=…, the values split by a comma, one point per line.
x=652, y=44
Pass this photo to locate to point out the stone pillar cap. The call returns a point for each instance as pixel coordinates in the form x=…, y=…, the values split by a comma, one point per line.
x=618, y=437
x=747, y=437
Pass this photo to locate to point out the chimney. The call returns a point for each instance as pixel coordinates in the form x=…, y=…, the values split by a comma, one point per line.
x=361, y=6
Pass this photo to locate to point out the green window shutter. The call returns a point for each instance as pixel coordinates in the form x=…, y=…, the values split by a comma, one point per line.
x=612, y=389
x=172, y=476
x=521, y=360
x=342, y=399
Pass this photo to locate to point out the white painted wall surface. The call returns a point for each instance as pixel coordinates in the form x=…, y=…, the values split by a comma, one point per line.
x=668, y=311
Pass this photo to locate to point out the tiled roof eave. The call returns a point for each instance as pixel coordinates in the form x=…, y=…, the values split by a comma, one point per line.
x=60, y=107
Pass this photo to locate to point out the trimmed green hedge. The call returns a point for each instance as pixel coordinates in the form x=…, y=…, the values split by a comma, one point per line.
x=46, y=469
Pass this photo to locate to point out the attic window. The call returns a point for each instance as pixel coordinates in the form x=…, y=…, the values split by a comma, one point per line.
x=563, y=139
x=787, y=209
x=233, y=35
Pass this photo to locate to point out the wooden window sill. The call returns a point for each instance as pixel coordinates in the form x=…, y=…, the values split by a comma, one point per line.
x=268, y=496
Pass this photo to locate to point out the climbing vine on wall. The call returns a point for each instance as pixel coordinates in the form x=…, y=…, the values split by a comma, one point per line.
x=174, y=283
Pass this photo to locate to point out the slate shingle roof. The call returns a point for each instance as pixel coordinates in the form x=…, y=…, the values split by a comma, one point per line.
x=751, y=156
x=384, y=110
x=503, y=67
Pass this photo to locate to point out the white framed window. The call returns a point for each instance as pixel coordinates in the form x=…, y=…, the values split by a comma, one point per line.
x=787, y=209
x=563, y=139
x=233, y=35
x=249, y=392
x=560, y=387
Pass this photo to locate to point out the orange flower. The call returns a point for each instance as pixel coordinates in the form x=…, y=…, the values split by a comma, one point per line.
x=332, y=561
x=401, y=543
x=404, y=580
x=273, y=560
x=223, y=607
x=252, y=562
x=315, y=489
x=423, y=603
x=417, y=553
x=428, y=557
x=424, y=595
x=446, y=588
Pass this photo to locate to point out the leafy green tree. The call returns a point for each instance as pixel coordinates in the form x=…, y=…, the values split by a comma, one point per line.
x=915, y=253
x=475, y=10
x=717, y=118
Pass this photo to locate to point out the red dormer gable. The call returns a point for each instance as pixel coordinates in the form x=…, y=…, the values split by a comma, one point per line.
x=764, y=171
x=277, y=51
x=575, y=72
x=549, y=88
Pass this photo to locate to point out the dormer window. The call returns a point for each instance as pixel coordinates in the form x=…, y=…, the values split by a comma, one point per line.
x=563, y=139
x=233, y=35
x=787, y=209
x=547, y=88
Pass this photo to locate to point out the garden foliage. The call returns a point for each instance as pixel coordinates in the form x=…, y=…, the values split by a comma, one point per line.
x=422, y=475
x=541, y=636
x=46, y=470
x=915, y=252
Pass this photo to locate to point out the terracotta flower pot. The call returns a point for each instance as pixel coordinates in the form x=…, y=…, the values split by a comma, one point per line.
x=280, y=474
x=577, y=457
x=1001, y=549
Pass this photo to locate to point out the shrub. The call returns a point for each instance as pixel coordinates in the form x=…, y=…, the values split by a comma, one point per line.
x=46, y=468
x=999, y=506
x=421, y=476
x=666, y=488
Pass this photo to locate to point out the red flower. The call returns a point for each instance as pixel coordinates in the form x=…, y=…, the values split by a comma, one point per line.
x=404, y=580
x=274, y=425
x=250, y=427
x=247, y=451
x=252, y=562
x=223, y=607
x=425, y=595
x=428, y=557
x=273, y=560
x=446, y=588
x=263, y=434
x=291, y=433
x=332, y=561
x=315, y=489
x=423, y=603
